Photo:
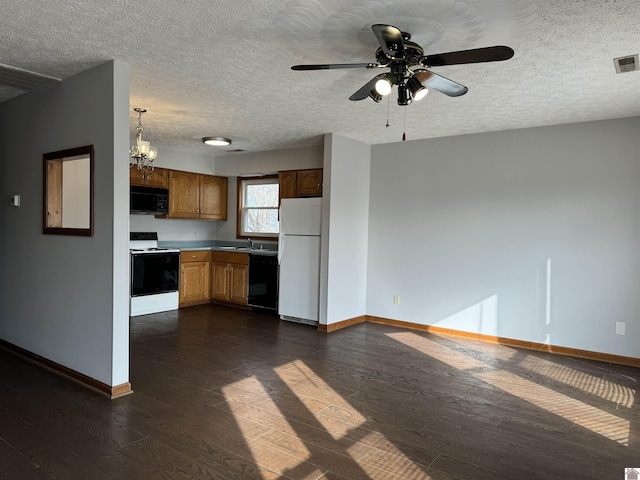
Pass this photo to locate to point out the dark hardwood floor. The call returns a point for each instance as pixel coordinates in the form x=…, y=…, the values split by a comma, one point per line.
x=228, y=394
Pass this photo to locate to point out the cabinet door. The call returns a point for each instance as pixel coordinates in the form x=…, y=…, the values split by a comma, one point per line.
x=287, y=184
x=309, y=183
x=183, y=194
x=136, y=176
x=159, y=178
x=219, y=281
x=238, y=283
x=194, y=282
x=213, y=197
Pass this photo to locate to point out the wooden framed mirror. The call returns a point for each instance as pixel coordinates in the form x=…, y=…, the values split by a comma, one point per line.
x=68, y=192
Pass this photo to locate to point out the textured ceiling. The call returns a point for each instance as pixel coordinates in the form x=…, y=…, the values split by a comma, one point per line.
x=205, y=68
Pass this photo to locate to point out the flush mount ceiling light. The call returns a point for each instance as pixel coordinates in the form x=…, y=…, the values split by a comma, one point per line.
x=142, y=153
x=217, y=141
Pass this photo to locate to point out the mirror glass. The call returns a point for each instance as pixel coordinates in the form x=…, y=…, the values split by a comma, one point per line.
x=68, y=191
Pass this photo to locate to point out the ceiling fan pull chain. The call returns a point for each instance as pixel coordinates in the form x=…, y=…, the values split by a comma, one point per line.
x=404, y=133
x=388, y=103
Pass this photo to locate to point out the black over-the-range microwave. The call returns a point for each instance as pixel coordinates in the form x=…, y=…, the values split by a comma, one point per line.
x=150, y=201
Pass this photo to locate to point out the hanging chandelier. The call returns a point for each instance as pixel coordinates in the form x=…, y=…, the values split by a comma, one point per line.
x=142, y=153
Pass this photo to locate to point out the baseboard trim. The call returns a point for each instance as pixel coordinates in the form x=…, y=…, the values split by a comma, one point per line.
x=343, y=324
x=566, y=351
x=77, y=377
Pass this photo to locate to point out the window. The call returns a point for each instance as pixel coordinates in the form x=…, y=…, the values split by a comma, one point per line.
x=258, y=207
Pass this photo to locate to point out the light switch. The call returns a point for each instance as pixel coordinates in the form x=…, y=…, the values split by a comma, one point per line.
x=15, y=200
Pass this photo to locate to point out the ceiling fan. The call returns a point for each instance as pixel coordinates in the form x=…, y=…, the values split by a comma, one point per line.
x=409, y=64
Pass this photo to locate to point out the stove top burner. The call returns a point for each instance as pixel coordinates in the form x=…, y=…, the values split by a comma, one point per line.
x=154, y=250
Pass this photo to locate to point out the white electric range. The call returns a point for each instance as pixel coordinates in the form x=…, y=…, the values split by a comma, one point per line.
x=155, y=275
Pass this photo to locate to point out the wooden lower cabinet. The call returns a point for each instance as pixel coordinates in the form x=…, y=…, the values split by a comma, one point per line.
x=195, y=277
x=230, y=277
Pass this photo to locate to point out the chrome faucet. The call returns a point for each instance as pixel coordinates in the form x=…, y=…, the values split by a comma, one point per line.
x=250, y=243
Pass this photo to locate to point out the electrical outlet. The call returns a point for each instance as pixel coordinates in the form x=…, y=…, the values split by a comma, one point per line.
x=620, y=328
x=396, y=299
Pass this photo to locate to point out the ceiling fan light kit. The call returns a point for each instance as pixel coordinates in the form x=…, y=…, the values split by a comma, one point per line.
x=383, y=86
x=409, y=64
x=418, y=91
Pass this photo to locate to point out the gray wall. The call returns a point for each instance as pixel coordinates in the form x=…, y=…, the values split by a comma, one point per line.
x=62, y=297
x=529, y=234
x=345, y=228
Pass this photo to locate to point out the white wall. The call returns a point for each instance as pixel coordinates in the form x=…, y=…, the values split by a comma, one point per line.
x=345, y=226
x=64, y=297
x=76, y=193
x=178, y=229
x=256, y=164
x=529, y=234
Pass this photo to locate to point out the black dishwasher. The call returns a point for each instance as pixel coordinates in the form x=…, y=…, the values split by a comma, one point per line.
x=263, y=281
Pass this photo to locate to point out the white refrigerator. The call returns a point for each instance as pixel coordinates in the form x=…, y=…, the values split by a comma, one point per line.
x=299, y=259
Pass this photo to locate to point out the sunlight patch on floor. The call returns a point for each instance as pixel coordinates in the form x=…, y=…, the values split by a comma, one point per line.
x=436, y=350
x=395, y=461
x=594, y=419
x=304, y=382
x=604, y=389
x=261, y=454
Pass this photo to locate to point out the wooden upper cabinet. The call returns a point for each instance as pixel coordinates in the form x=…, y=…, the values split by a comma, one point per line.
x=192, y=195
x=309, y=183
x=136, y=176
x=300, y=183
x=159, y=178
x=213, y=197
x=287, y=184
x=184, y=194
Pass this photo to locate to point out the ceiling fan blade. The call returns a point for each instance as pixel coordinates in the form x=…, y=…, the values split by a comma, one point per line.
x=331, y=66
x=476, y=55
x=366, y=88
x=440, y=83
x=390, y=39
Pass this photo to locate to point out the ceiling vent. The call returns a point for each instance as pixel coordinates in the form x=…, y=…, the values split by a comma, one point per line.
x=24, y=79
x=626, y=64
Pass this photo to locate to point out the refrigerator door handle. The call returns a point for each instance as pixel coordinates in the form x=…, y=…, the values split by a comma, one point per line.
x=281, y=248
